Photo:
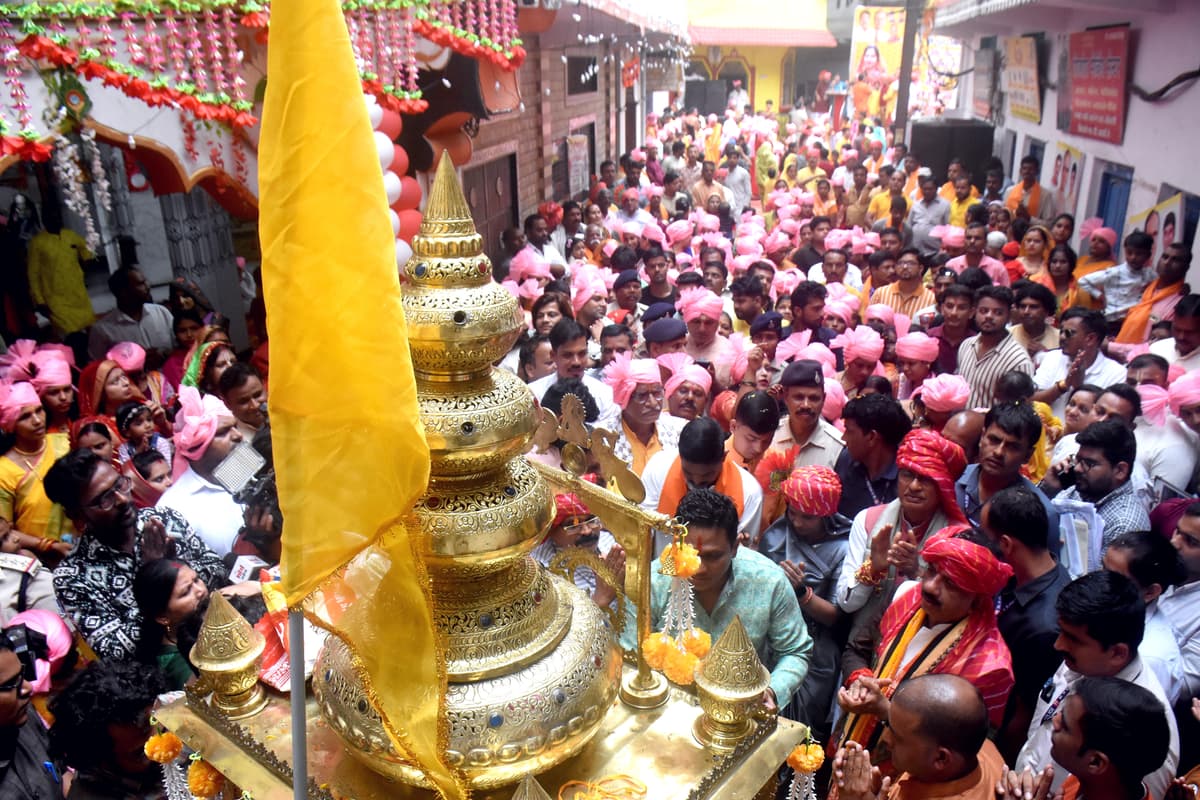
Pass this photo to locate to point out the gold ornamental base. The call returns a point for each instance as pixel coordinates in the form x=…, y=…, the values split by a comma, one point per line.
x=644, y=691
x=720, y=737
x=241, y=705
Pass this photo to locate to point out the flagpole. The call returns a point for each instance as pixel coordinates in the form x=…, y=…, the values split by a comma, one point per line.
x=299, y=718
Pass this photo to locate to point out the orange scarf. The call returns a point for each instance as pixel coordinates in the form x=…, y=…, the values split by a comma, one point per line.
x=1136, y=328
x=1018, y=193
x=729, y=483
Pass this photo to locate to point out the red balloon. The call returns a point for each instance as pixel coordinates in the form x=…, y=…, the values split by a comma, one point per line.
x=410, y=223
x=410, y=195
x=399, y=163
x=391, y=124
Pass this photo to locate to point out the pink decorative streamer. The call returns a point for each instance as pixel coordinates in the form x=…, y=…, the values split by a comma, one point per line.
x=108, y=45
x=175, y=47
x=195, y=50
x=234, y=54
x=215, y=61
x=136, y=55
x=410, y=51
x=12, y=76
x=154, y=53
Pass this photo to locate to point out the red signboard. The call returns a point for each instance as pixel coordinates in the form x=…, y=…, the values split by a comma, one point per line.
x=1099, y=62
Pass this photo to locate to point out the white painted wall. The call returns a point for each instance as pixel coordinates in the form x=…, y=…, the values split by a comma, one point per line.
x=1160, y=138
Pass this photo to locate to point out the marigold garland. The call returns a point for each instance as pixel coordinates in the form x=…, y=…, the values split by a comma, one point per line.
x=204, y=781
x=163, y=748
x=680, y=561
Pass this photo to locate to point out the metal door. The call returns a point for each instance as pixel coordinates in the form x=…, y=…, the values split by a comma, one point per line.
x=490, y=191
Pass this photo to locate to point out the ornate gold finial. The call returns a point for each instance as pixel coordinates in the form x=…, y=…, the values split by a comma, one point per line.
x=447, y=230
x=227, y=653
x=530, y=789
x=730, y=684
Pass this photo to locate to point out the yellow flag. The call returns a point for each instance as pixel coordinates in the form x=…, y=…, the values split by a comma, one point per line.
x=350, y=451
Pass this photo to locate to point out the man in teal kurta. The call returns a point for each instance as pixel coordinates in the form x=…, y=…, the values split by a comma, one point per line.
x=736, y=581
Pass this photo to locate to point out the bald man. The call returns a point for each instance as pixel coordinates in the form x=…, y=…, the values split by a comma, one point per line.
x=937, y=738
x=965, y=429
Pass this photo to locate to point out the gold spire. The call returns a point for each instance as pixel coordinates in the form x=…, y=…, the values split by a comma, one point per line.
x=730, y=685
x=447, y=229
x=227, y=653
x=530, y=789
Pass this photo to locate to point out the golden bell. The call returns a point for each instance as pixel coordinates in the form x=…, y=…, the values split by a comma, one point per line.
x=228, y=653
x=730, y=684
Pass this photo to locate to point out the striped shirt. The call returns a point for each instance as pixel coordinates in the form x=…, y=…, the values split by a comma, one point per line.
x=982, y=371
x=901, y=303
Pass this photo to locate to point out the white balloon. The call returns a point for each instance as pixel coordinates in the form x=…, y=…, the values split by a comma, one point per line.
x=385, y=148
x=374, y=111
x=395, y=222
x=391, y=185
x=403, y=253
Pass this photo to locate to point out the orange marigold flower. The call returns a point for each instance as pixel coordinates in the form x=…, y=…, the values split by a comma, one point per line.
x=697, y=642
x=655, y=647
x=203, y=780
x=163, y=748
x=680, y=667
x=685, y=558
x=807, y=757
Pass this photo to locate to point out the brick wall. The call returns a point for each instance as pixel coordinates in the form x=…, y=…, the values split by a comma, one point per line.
x=533, y=134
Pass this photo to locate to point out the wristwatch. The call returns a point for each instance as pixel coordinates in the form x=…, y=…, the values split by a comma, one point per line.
x=1061, y=386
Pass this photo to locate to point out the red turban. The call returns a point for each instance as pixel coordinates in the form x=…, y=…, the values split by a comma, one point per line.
x=814, y=490
x=935, y=457
x=971, y=567
x=566, y=506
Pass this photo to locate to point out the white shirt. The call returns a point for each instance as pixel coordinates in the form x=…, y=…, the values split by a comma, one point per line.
x=153, y=331
x=655, y=474
x=1166, y=349
x=1180, y=605
x=1036, y=752
x=208, y=508
x=1160, y=651
x=1103, y=372
x=1166, y=451
x=549, y=253
x=853, y=276
x=1120, y=286
x=600, y=392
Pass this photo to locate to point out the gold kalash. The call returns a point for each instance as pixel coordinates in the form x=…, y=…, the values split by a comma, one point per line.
x=537, y=681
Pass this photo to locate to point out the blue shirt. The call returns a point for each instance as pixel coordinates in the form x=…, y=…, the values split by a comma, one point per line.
x=966, y=491
x=759, y=593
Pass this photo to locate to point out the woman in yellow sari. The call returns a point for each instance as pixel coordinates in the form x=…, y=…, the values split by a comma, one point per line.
x=791, y=170
x=1058, y=277
x=39, y=525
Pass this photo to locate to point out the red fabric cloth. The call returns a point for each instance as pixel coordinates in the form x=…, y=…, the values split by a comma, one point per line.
x=930, y=454
x=814, y=490
x=968, y=565
x=980, y=655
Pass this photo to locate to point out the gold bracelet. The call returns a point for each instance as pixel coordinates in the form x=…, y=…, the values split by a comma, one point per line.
x=866, y=574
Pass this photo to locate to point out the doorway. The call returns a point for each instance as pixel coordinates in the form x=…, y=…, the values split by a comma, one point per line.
x=490, y=191
x=1112, y=200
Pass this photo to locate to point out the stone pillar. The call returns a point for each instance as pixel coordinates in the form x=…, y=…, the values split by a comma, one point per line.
x=200, y=243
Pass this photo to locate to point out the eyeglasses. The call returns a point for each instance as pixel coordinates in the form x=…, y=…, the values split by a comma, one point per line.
x=13, y=684
x=583, y=526
x=651, y=395
x=1088, y=464
x=108, y=499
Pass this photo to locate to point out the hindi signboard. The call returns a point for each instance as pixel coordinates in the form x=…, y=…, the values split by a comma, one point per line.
x=1095, y=84
x=1021, y=78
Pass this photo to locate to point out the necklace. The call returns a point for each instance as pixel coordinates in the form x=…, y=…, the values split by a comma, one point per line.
x=23, y=457
x=37, y=452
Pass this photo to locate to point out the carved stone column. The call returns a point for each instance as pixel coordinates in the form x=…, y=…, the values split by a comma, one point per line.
x=200, y=242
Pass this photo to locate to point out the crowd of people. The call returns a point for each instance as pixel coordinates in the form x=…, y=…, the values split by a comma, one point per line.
x=116, y=526
x=941, y=463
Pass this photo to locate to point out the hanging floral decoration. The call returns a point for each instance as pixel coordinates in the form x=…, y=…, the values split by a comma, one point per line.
x=805, y=759
x=189, y=55
x=676, y=650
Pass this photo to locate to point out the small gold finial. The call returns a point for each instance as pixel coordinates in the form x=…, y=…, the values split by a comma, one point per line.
x=447, y=229
x=227, y=653
x=729, y=684
x=530, y=789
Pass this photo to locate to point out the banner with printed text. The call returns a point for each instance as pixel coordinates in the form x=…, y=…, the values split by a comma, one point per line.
x=1021, y=78
x=1091, y=91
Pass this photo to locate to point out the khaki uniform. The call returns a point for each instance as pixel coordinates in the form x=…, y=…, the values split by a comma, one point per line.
x=25, y=584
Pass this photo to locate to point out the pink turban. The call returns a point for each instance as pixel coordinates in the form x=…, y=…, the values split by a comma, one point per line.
x=709, y=223
x=837, y=239
x=678, y=231
x=673, y=362
x=1184, y=392
x=917, y=347
x=860, y=343
x=840, y=310
x=884, y=313
x=587, y=287
x=944, y=393
x=785, y=281
x=610, y=247
x=1154, y=403
x=789, y=226
x=735, y=357
x=1107, y=234
x=822, y=355
x=849, y=154
x=630, y=194
x=631, y=228
x=59, y=641
x=625, y=372
x=526, y=290
x=692, y=373
x=528, y=264
x=835, y=400
x=815, y=490
x=15, y=398
x=1094, y=226
x=51, y=370
x=902, y=323
x=954, y=236
x=814, y=153
x=654, y=191
x=748, y=246
x=129, y=356
x=683, y=260
x=699, y=302
x=742, y=263
x=195, y=425
x=787, y=349
x=17, y=363
x=653, y=233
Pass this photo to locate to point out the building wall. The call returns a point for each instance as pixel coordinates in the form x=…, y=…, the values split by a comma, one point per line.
x=1159, y=143
x=549, y=115
x=764, y=64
